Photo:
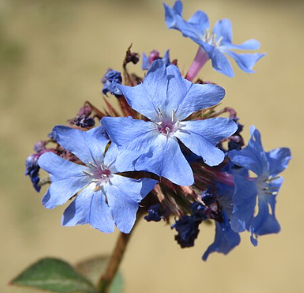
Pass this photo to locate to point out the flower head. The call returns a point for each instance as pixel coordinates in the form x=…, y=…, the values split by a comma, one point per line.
x=166, y=99
x=213, y=44
x=103, y=197
x=262, y=189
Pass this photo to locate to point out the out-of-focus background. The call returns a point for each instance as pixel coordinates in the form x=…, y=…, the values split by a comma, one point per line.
x=52, y=56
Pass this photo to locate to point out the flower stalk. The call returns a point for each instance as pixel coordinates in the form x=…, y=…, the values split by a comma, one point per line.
x=199, y=61
x=106, y=279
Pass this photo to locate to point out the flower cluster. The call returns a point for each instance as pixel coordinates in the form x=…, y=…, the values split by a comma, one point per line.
x=168, y=153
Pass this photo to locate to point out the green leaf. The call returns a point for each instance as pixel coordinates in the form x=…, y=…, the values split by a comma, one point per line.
x=95, y=267
x=54, y=275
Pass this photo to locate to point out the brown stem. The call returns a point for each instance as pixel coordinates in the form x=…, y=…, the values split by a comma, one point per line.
x=105, y=280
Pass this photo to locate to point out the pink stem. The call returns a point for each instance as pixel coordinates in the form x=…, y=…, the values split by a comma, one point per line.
x=199, y=61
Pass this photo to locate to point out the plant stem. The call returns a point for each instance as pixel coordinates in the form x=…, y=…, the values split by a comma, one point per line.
x=105, y=280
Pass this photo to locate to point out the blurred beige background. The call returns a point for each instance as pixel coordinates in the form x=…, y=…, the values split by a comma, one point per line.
x=52, y=56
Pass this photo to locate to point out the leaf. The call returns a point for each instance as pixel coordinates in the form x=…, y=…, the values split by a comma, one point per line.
x=54, y=275
x=93, y=268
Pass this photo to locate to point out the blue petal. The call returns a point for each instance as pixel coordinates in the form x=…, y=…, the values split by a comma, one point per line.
x=244, y=203
x=173, y=16
x=166, y=159
x=184, y=97
x=89, y=207
x=176, y=91
x=178, y=7
x=278, y=160
x=223, y=28
x=224, y=194
x=123, y=196
x=199, y=97
x=110, y=158
x=202, y=136
x=199, y=22
x=166, y=58
x=253, y=156
x=245, y=61
x=130, y=133
x=67, y=179
x=251, y=44
x=265, y=222
x=146, y=97
x=88, y=146
x=225, y=239
x=220, y=63
x=145, y=62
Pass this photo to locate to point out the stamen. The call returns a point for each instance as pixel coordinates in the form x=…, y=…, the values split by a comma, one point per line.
x=270, y=178
x=88, y=173
x=92, y=164
x=172, y=116
x=271, y=193
x=217, y=44
x=213, y=39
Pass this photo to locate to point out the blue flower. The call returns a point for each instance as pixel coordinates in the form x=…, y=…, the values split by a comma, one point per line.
x=225, y=238
x=103, y=198
x=154, y=55
x=110, y=80
x=213, y=44
x=166, y=99
x=262, y=189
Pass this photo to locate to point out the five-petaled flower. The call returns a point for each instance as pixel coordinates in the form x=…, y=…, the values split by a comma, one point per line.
x=166, y=99
x=103, y=197
x=212, y=45
x=263, y=188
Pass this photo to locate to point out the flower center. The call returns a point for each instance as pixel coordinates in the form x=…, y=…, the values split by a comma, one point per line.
x=210, y=38
x=167, y=126
x=100, y=174
x=266, y=187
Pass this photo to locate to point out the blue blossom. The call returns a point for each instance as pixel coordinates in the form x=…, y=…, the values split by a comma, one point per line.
x=260, y=191
x=213, y=44
x=225, y=238
x=110, y=80
x=154, y=55
x=166, y=99
x=103, y=198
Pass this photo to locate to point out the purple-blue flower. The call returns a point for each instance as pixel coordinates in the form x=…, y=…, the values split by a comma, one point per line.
x=261, y=191
x=103, y=198
x=213, y=44
x=166, y=99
